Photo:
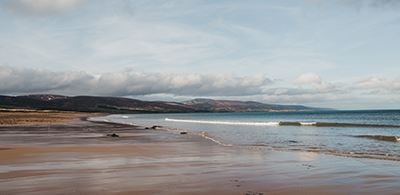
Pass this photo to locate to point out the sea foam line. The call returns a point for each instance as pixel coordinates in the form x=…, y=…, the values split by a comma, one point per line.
x=285, y=123
x=225, y=122
x=206, y=136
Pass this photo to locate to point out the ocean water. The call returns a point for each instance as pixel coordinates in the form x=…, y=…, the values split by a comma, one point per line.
x=360, y=134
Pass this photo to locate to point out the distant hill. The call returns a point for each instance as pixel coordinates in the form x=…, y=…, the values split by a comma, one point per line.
x=240, y=106
x=90, y=104
x=127, y=105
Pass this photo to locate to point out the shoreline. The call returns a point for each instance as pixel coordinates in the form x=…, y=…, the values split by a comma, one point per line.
x=78, y=157
x=205, y=135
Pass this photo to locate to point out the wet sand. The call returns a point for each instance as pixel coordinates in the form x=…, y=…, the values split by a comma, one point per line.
x=76, y=157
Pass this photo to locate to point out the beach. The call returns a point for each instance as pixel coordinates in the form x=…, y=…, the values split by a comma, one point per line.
x=70, y=155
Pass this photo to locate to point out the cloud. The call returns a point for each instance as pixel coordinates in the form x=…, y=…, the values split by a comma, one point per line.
x=309, y=88
x=379, y=3
x=359, y=4
x=308, y=78
x=155, y=43
x=42, y=7
x=13, y=80
x=127, y=83
x=314, y=81
x=377, y=85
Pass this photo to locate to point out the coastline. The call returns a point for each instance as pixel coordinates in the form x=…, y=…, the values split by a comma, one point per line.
x=78, y=157
x=349, y=154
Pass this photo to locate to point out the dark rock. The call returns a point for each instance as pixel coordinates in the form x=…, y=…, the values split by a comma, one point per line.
x=183, y=133
x=146, y=128
x=112, y=135
x=155, y=127
x=308, y=166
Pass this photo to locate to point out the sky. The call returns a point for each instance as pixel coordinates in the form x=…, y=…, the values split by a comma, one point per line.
x=340, y=54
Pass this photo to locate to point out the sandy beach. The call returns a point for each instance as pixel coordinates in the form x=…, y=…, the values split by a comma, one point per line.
x=74, y=156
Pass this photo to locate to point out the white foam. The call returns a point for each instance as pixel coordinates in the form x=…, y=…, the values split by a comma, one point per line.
x=205, y=135
x=308, y=123
x=225, y=122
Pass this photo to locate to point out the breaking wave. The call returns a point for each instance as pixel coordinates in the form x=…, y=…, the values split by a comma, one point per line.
x=225, y=122
x=292, y=144
x=282, y=123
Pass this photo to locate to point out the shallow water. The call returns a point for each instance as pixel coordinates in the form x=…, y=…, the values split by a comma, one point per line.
x=362, y=134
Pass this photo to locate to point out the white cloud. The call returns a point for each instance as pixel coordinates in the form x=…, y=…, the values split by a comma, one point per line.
x=153, y=43
x=281, y=40
x=127, y=83
x=42, y=7
x=379, y=85
x=308, y=79
x=185, y=86
x=17, y=81
x=314, y=81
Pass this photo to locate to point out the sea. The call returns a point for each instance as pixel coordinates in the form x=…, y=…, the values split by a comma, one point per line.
x=354, y=133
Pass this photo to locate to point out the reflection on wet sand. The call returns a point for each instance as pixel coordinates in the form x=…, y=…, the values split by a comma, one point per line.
x=307, y=156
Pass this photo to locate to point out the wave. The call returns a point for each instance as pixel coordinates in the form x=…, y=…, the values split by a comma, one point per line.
x=288, y=145
x=390, y=138
x=225, y=122
x=282, y=123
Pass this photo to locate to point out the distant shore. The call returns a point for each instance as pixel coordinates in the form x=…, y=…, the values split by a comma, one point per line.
x=61, y=153
x=13, y=117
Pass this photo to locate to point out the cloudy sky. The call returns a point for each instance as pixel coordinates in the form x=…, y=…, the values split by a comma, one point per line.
x=341, y=53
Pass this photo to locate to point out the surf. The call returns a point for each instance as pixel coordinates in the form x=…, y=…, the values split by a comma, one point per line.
x=282, y=123
x=224, y=122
